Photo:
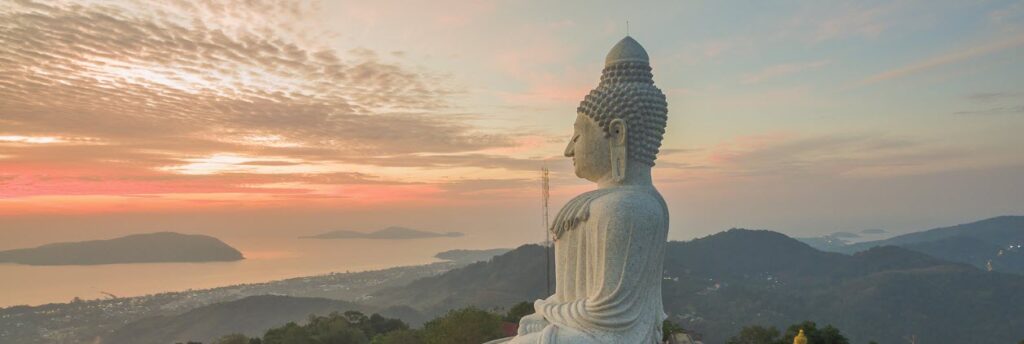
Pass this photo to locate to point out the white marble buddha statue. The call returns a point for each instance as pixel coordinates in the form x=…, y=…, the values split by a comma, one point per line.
x=610, y=242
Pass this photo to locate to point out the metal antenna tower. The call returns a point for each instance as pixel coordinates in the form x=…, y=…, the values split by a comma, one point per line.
x=545, y=187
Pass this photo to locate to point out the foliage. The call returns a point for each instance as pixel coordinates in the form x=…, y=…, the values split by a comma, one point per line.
x=825, y=335
x=351, y=327
x=669, y=328
x=398, y=337
x=756, y=335
x=770, y=335
x=463, y=326
x=234, y=338
x=519, y=311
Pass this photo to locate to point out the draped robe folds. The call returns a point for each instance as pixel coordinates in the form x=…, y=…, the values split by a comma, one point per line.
x=609, y=253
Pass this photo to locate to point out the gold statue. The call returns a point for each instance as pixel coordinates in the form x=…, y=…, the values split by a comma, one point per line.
x=800, y=338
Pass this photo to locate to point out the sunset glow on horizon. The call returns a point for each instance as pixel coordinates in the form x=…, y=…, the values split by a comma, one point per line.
x=807, y=118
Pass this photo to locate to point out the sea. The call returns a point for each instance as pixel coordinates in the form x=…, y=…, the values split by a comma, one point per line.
x=267, y=259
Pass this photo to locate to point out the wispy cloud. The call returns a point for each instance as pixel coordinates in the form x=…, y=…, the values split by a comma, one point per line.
x=955, y=56
x=1002, y=110
x=781, y=70
x=853, y=20
x=1009, y=16
x=209, y=98
x=107, y=72
x=986, y=97
x=830, y=156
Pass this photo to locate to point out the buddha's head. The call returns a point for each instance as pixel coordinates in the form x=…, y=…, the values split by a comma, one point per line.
x=620, y=124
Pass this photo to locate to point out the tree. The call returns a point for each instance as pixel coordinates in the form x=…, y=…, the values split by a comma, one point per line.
x=831, y=335
x=669, y=328
x=463, y=326
x=290, y=333
x=757, y=335
x=355, y=317
x=519, y=311
x=343, y=335
x=378, y=324
x=825, y=335
x=338, y=329
x=398, y=337
x=234, y=338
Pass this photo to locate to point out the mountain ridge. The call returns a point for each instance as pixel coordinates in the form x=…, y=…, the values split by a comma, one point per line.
x=995, y=243
x=158, y=247
x=717, y=284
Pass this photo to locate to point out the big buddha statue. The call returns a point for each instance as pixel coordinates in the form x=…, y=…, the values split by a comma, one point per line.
x=610, y=242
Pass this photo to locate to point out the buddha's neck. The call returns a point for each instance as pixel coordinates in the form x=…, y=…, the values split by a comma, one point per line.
x=637, y=174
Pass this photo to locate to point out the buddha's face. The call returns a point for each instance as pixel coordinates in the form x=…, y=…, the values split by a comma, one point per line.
x=590, y=150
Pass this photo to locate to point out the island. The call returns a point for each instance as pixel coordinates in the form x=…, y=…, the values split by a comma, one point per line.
x=393, y=233
x=161, y=247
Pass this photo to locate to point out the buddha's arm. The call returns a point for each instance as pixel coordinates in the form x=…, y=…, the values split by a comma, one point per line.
x=625, y=231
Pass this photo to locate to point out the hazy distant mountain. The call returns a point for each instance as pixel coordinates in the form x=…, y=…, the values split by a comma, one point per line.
x=250, y=316
x=718, y=284
x=140, y=248
x=471, y=256
x=386, y=233
x=997, y=243
x=838, y=240
x=828, y=242
x=1001, y=231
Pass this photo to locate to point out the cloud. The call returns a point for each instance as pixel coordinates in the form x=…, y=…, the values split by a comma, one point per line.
x=781, y=70
x=109, y=72
x=986, y=97
x=226, y=102
x=787, y=155
x=1002, y=110
x=1009, y=16
x=853, y=21
x=955, y=56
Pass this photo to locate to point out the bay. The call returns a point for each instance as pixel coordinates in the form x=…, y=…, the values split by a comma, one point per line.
x=267, y=258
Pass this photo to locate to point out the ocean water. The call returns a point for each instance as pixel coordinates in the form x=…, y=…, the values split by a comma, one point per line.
x=267, y=259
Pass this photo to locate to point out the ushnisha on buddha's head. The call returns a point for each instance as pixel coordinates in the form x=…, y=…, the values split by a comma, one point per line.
x=620, y=124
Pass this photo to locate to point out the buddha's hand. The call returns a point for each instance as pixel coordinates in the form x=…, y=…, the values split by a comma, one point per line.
x=531, y=323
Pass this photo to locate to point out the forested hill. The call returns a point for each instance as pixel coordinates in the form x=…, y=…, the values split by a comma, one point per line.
x=504, y=280
x=159, y=247
x=996, y=243
x=718, y=284
x=999, y=231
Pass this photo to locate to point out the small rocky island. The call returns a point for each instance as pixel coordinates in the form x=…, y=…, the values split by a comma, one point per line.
x=162, y=247
x=393, y=233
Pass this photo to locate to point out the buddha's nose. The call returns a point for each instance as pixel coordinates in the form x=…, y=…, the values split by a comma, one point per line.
x=569, y=149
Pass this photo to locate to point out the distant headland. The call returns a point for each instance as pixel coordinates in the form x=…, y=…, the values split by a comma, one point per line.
x=162, y=247
x=393, y=233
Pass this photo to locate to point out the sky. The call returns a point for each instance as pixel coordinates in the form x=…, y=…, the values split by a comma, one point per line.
x=275, y=116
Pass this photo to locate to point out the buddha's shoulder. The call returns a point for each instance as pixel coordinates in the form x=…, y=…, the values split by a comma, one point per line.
x=634, y=200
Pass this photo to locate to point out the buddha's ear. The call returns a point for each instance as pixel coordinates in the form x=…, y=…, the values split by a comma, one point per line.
x=617, y=130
